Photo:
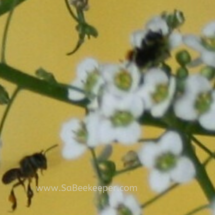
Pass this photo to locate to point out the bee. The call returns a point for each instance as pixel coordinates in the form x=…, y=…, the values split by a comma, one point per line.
x=153, y=49
x=27, y=170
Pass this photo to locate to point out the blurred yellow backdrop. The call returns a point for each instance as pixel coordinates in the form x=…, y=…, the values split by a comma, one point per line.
x=41, y=33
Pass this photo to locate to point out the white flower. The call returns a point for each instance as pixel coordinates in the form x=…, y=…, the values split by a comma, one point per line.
x=78, y=135
x=120, y=203
x=157, y=91
x=120, y=115
x=166, y=161
x=88, y=79
x=159, y=25
x=121, y=79
x=204, y=45
x=197, y=102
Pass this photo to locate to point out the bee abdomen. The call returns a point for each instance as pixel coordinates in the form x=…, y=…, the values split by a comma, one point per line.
x=11, y=175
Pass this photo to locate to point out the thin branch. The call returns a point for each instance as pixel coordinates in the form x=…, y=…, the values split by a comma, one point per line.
x=144, y=205
x=13, y=97
x=204, y=148
x=196, y=210
x=71, y=11
x=5, y=34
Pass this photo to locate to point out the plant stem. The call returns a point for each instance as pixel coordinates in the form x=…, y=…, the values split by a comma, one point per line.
x=95, y=162
x=5, y=34
x=71, y=11
x=144, y=205
x=13, y=97
x=207, y=160
x=196, y=210
x=201, y=174
x=204, y=148
x=28, y=82
x=127, y=169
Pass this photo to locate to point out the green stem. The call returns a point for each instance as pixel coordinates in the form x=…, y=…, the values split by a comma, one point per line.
x=5, y=34
x=28, y=82
x=149, y=202
x=201, y=174
x=208, y=160
x=71, y=11
x=196, y=210
x=96, y=165
x=127, y=169
x=12, y=99
x=204, y=148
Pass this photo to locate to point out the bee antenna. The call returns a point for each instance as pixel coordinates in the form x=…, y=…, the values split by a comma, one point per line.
x=50, y=148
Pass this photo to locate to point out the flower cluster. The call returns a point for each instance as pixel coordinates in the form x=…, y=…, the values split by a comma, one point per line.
x=121, y=96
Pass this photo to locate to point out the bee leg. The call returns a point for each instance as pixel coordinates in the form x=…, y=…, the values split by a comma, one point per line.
x=30, y=194
x=22, y=183
x=12, y=197
x=36, y=180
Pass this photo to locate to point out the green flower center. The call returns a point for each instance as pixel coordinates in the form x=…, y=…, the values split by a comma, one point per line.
x=161, y=93
x=81, y=135
x=91, y=81
x=203, y=102
x=122, y=118
x=123, y=80
x=208, y=43
x=123, y=210
x=166, y=162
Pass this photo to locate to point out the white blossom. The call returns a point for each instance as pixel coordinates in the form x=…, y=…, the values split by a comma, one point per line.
x=157, y=91
x=204, y=45
x=197, y=102
x=166, y=161
x=78, y=135
x=120, y=119
x=88, y=80
x=120, y=202
x=121, y=79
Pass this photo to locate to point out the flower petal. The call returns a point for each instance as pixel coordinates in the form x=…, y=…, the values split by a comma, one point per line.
x=128, y=135
x=148, y=154
x=106, y=132
x=116, y=197
x=74, y=94
x=131, y=202
x=193, y=42
x=73, y=151
x=184, y=170
x=171, y=142
x=159, y=181
x=108, y=211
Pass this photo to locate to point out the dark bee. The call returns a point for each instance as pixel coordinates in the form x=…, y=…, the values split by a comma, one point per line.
x=29, y=166
x=154, y=48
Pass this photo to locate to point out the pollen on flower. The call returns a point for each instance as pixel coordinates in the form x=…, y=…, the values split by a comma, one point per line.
x=203, y=102
x=123, y=80
x=122, y=118
x=166, y=162
x=81, y=134
x=161, y=93
x=91, y=81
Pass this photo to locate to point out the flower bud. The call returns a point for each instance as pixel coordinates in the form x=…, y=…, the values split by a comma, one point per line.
x=80, y=4
x=183, y=57
x=182, y=72
x=208, y=72
x=130, y=159
x=108, y=169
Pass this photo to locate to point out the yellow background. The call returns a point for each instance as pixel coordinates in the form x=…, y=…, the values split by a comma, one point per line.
x=41, y=33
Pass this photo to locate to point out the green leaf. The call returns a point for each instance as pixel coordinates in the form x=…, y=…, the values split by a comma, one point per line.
x=4, y=96
x=46, y=76
x=6, y=5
